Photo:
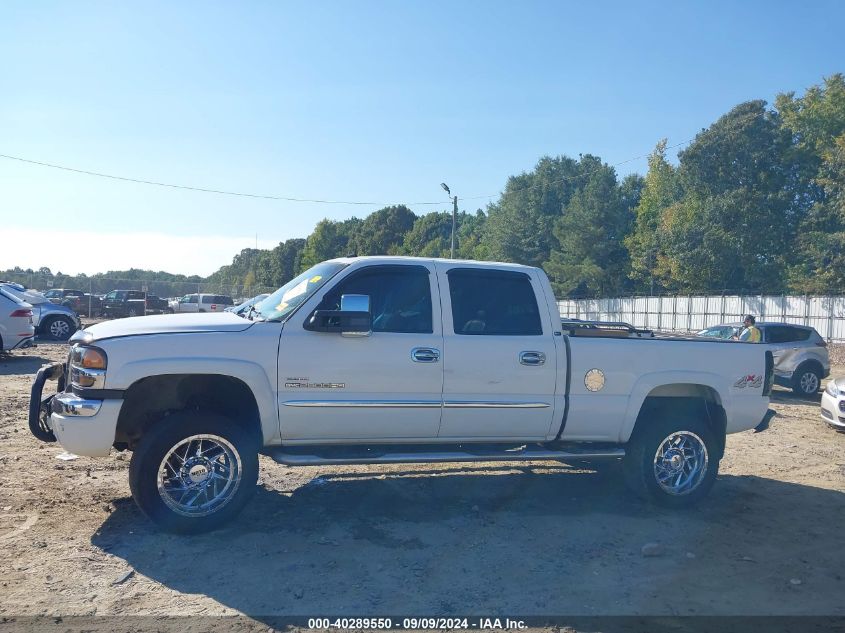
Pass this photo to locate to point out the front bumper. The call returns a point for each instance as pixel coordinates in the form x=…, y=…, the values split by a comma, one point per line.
x=831, y=412
x=81, y=425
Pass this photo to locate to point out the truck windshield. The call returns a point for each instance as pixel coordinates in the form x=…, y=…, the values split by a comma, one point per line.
x=281, y=304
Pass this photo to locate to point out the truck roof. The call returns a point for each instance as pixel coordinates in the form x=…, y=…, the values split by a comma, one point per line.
x=388, y=259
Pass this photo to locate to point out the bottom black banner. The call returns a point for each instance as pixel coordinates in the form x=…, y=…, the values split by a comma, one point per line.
x=556, y=624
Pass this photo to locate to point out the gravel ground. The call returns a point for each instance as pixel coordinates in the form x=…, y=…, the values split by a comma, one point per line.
x=429, y=539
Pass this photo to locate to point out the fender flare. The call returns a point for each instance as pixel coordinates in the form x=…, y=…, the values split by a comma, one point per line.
x=649, y=382
x=251, y=374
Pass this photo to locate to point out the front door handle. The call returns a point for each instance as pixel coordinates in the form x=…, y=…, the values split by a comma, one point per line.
x=532, y=358
x=425, y=355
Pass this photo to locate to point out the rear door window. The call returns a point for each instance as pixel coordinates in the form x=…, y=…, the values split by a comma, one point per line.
x=491, y=303
x=786, y=334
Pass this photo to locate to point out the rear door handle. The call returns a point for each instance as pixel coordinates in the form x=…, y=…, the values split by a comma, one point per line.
x=532, y=358
x=425, y=355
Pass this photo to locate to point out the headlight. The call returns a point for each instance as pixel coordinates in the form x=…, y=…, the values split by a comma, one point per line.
x=88, y=367
x=832, y=389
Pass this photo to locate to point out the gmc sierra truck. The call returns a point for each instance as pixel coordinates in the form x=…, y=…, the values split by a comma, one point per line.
x=394, y=360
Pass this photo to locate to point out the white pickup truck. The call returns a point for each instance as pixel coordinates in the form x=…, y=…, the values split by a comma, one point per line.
x=394, y=360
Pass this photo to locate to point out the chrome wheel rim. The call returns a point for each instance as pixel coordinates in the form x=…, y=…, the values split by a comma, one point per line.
x=809, y=382
x=59, y=328
x=199, y=475
x=680, y=463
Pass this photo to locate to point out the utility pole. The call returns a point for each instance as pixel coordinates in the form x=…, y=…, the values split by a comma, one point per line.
x=454, y=215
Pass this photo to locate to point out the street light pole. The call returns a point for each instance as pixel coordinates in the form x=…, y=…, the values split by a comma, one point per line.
x=454, y=214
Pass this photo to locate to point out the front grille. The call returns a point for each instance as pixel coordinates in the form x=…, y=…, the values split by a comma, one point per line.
x=842, y=406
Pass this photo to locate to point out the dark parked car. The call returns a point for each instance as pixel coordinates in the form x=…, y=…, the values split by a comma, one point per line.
x=129, y=303
x=59, y=295
x=86, y=305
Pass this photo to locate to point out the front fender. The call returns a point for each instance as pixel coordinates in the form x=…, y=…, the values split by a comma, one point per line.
x=252, y=374
x=649, y=382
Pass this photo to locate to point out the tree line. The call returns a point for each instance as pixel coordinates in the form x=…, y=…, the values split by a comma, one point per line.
x=755, y=203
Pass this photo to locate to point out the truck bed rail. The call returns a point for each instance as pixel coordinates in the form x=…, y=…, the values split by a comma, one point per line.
x=603, y=329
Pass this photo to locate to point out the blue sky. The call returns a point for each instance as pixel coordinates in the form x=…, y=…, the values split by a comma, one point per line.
x=371, y=101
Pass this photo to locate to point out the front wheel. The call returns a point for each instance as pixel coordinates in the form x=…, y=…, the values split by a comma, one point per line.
x=672, y=462
x=193, y=472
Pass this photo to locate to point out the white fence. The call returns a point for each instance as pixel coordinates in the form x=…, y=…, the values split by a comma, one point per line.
x=691, y=313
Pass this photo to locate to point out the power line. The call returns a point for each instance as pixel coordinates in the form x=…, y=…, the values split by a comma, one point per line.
x=339, y=202
x=203, y=189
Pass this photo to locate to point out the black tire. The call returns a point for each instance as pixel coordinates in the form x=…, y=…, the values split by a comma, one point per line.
x=639, y=464
x=58, y=328
x=806, y=380
x=132, y=312
x=172, y=431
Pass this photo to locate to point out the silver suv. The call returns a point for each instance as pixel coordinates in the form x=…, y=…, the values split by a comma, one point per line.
x=52, y=321
x=801, y=358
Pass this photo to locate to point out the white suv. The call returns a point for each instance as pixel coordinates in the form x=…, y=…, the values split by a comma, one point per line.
x=201, y=303
x=16, y=328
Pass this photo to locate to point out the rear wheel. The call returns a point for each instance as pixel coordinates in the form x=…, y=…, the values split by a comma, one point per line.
x=673, y=462
x=806, y=380
x=193, y=472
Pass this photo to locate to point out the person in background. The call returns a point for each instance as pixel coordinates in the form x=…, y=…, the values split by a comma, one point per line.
x=750, y=333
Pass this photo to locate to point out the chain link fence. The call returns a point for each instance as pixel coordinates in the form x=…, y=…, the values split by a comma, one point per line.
x=678, y=313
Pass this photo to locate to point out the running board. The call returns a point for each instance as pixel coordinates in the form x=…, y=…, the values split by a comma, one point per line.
x=394, y=455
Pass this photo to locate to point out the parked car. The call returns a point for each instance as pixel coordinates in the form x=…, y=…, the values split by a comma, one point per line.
x=16, y=328
x=56, y=322
x=202, y=303
x=800, y=353
x=58, y=295
x=157, y=305
x=394, y=360
x=242, y=307
x=833, y=404
x=86, y=305
x=130, y=303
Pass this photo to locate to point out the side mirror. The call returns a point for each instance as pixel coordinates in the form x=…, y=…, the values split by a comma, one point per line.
x=358, y=321
x=352, y=320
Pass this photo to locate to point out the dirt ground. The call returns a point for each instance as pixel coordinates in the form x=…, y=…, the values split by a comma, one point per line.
x=434, y=540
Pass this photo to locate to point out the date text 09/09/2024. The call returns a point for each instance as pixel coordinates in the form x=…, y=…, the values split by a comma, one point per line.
x=417, y=623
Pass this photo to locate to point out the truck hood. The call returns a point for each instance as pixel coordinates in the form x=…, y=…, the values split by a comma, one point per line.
x=166, y=324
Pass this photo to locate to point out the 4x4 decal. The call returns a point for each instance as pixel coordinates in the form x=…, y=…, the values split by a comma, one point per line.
x=752, y=381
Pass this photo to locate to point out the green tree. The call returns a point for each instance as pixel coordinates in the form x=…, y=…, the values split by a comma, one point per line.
x=383, y=231
x=330, y=239
x=519, y=225
x=741, y=205
x=431, y=235
x=280, y=265
x=660, y=191
x=592, y=259
x=816, y=123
